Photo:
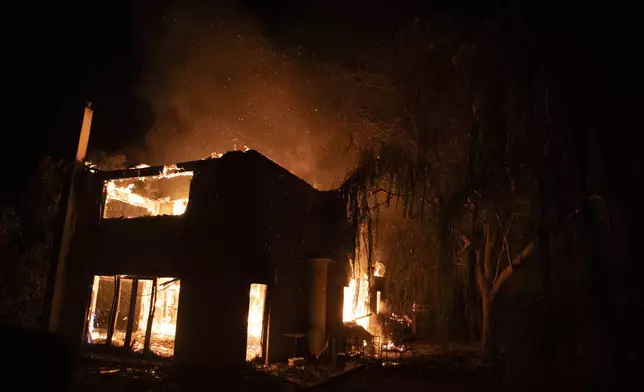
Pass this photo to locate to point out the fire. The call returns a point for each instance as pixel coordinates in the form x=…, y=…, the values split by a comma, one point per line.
x=379, y=270
x=255, y=321
x=164, y=313
x=162, y=200
x=356, y=302
x=379, y=302
x=179, y=206
x=163, y=194
x=236, y=147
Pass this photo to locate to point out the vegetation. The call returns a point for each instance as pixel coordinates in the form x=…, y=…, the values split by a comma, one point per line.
x=479, y=140
x=26, y=239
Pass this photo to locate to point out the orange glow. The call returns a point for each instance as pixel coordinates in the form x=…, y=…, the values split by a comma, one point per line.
x=163, y=194
x=379, y=270
x=164, y=313
x=255, y=321
x=356, y=302
x=243, y=148
x=378, y=302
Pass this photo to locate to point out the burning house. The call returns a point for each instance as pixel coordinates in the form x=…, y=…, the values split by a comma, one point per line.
x=215, y=262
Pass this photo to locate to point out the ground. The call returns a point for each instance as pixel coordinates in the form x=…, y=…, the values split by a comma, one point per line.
x=432, y=367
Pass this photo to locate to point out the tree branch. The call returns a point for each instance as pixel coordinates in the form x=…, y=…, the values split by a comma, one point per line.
x=498, y=262
x=480, y=276
x=466, y=243
x=509, y=270
x=390, y=195
x=489, y=242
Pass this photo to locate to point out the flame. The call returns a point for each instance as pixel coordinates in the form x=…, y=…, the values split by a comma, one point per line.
x=255, y=321
x=356, y=302
x=179, y=206
x=167, y=304
x=163, y=326
x=379, y=270
x=378, y=302
x=122, y=190
x=236, y=147
x=391, y=346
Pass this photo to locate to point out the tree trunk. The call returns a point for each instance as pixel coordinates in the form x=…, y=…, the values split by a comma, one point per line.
x=486, y=321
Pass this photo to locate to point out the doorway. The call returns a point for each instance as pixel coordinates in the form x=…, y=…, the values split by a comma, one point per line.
x=134, y=314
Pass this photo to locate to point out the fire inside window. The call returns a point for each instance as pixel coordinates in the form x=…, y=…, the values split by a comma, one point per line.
x=255, y=321
x=137, y=314
x=163, y=194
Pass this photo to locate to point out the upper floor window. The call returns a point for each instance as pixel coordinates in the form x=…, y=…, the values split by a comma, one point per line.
x=163, y=194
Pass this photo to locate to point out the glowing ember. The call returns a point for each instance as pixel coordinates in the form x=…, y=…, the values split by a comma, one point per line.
x=236, y=147
x=163, y=194
x=390, y=346
x=255, y=321
x=379, y=270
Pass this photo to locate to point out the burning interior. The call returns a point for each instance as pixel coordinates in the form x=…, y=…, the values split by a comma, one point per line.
x=357, y=296
x=364, y=308
x=255, y=330
x=162, y=194
x=356, y=301
x=138, y=314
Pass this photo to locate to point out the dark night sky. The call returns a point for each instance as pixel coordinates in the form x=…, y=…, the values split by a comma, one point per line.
x=62, y=55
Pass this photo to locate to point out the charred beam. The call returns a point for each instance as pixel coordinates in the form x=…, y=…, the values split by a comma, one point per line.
x=130, y=313
x=113, y=310
x=148, y=329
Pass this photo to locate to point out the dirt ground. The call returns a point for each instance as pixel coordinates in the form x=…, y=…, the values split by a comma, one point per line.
x=431, y=367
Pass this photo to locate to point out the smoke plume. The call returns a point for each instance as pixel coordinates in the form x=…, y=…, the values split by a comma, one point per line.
x=216, y=83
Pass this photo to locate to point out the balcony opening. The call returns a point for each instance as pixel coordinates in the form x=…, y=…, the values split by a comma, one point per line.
x=255, y=329
x=163, y=194
x=134, y=314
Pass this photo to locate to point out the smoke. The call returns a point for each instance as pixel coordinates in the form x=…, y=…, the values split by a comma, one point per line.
x=216, y=83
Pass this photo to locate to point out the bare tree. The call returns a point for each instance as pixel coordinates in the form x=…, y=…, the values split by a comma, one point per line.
x=447, y=126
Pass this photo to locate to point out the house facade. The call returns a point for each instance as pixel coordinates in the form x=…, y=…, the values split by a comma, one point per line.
x=210, y=262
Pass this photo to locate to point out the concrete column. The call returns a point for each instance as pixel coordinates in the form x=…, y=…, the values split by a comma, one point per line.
x=57, y=276
x=317, y=326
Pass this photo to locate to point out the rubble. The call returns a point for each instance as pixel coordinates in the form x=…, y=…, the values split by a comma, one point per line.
x=292, y=362
x=307, y=375
x=144, y=376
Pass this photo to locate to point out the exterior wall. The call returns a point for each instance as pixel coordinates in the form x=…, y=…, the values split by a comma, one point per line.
x=248, y=221
x=77, y=282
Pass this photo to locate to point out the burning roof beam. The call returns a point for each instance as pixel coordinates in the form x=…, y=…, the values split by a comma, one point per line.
x=163, y=194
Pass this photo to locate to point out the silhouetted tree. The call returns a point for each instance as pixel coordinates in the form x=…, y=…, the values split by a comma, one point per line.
x=455, y=122
x=26, y=236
